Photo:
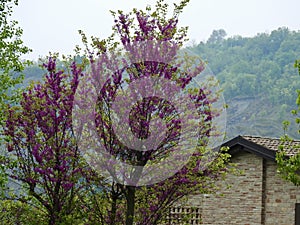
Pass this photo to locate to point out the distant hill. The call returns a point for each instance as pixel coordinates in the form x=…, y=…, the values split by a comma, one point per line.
x=256, y=74
x=258, y=78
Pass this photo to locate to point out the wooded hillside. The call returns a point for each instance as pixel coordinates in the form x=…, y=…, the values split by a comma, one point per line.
x=256, y=74
x=258, y=78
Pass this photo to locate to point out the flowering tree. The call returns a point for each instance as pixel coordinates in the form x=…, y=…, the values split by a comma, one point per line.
x=47, y=160
x=147, y=160
x=143, y=53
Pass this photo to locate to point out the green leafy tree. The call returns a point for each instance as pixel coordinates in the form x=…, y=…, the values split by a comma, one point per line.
x=11, y=49
x=217, y=37
x=289, y=165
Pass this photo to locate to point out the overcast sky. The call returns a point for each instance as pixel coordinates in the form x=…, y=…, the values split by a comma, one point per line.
x=52, y=25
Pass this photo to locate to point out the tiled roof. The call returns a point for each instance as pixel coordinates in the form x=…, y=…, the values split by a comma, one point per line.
x=290, y=147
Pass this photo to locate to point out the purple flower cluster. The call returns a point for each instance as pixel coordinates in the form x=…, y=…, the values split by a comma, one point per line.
x=149, y=28
x=42, y=139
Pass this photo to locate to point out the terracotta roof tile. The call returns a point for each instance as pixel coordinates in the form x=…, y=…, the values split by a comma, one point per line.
x=291, y=147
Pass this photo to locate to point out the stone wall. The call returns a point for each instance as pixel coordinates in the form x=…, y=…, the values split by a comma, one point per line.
x=257, y=197
x=281, y=197
x=240, y=204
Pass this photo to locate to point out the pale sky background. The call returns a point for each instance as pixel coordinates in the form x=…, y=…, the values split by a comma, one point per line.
x=52, y=25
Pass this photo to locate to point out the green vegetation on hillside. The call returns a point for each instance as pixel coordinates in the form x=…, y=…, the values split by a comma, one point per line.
x=257, y=76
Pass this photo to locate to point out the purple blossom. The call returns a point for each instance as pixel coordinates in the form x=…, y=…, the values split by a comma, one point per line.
x=42, y=138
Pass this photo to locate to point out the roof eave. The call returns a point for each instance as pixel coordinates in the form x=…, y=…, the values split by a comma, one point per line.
x=239, y=144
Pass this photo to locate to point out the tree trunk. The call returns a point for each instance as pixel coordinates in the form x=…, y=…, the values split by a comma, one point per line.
x=113, y=210
x=52, y=218
x=130, y=198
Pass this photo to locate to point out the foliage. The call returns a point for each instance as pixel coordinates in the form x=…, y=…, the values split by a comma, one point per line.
x=268, y=57
x=59, y=187
x=257, y=77
x=18, y=212
x=217, y=37
x=289, y=166
x=40, y=137
x=11, y=49
x=147, y=204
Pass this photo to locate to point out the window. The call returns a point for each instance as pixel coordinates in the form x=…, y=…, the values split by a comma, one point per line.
x=297, y=214
x=184, y=215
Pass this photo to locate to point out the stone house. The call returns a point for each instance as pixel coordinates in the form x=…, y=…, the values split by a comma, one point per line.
x=259, y=196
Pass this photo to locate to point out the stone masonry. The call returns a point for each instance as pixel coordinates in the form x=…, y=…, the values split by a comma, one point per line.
x=259, y=196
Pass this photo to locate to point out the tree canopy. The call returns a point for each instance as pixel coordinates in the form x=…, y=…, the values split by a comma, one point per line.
x=11, y=49
x=49, y=143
